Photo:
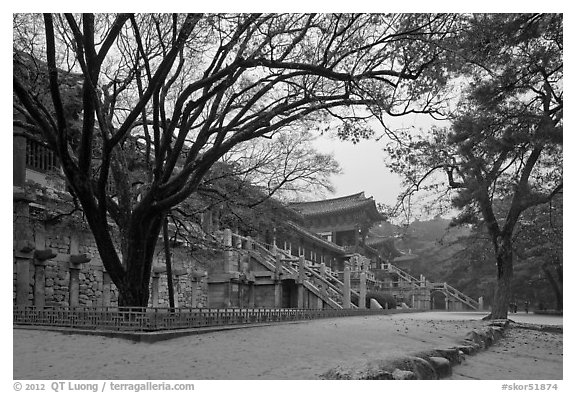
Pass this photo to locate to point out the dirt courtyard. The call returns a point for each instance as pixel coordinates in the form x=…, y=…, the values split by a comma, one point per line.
x=287, y=351
x=284, y=351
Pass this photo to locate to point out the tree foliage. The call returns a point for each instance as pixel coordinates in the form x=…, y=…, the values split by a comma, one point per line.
x=504, y=146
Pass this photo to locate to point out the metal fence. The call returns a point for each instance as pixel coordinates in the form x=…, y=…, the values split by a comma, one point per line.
x=153, y=319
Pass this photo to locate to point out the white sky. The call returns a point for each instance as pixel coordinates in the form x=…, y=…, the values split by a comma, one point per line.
x=363, y=164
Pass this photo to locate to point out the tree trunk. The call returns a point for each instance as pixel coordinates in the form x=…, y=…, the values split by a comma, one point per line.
x=502, y=292
x=168, y=264
x=556, y=287
x=142, y=239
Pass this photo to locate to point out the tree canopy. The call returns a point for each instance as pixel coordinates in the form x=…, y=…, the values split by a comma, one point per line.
x=504, y=145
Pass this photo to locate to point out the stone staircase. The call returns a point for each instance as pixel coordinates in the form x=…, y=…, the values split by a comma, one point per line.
x=321, y=281
x=445, y=288
x=324, y=284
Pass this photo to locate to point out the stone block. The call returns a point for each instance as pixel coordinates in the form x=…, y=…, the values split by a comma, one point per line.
x=441, y=366
x=49, y=292
x=403, y=374
x=452, y=354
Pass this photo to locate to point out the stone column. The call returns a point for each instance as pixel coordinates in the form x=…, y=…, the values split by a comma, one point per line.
x=480, y=303
x=277, y=267
x=19, y=159
x=39, y=283
x=237, y=240
x=155, y=289
x=362, y=300
x=74, y=285
x=301, y=278
x=346, y=289
x=447, y=303
x=277, y=294
x=75, y=265
x=41, y=255
x=228, y=253
x=23, y=245
x=277, y=281
x=323, y=288
x=106, y=289
x=251, y=293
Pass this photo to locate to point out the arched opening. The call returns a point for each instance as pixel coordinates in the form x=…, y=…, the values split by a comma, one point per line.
x=437, y=300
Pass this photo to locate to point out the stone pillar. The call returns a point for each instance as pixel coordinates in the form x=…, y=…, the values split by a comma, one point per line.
x=23, y=256
x=323, y=287
x=251, y=295
x=19, y=159
x=41, y=255
x=74, y=285
x=362, y=300
x=278, y=294
x=106, y=289
x=249, y=243
x=277, y=267
x=346, y=289
x=155, y=289
x=39, y=283
x=237, y=240
x=75, y=265
x=23, y=245
x=447, y=303
x=228, y=253
x=301, y=278
x=480, y=303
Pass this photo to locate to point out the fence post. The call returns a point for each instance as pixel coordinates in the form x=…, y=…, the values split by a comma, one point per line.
x=346, y=289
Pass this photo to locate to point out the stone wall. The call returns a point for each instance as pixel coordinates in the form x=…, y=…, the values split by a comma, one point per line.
x=49, y=281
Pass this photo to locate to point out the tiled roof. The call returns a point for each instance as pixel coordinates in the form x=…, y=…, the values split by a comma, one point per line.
x=339, y=205
x=315, y=238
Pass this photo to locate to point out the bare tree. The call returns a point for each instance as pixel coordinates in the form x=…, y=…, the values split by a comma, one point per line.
x=160, y=99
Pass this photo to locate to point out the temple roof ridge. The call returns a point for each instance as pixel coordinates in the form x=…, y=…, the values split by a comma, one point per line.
x=339, y=205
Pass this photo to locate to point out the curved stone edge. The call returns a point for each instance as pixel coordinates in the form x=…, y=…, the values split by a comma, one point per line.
x=431, y=364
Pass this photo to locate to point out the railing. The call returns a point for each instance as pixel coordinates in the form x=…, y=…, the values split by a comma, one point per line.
x=153, y=319
x=402, y=274
x=461, y=297
x=444, y=287
x=39, y=157
x=331, y=293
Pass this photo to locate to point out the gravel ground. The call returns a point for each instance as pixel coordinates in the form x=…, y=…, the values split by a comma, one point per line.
x=295, y=351
x=288, y=351
x=522, y=354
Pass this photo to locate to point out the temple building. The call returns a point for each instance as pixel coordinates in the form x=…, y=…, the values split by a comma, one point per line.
x=345, y=222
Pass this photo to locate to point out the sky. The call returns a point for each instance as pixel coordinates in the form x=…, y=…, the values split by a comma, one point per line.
x=363, y=164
